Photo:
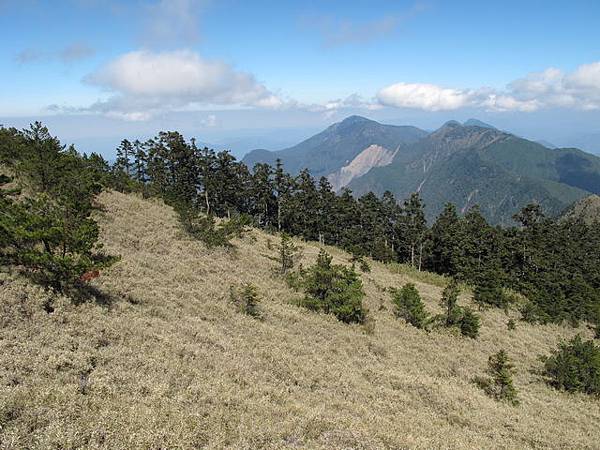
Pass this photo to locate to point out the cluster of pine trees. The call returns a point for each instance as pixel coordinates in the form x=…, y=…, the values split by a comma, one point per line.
x=553, y=263
x=46, y=202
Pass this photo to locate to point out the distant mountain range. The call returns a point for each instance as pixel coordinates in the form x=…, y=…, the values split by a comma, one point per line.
x=466, y=164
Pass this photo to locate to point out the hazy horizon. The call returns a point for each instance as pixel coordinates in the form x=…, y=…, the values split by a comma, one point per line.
x=268, y=74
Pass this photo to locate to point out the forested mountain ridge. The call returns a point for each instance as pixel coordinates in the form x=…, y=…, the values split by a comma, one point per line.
x=500, y=172
x=466, y=164
x=335, y=147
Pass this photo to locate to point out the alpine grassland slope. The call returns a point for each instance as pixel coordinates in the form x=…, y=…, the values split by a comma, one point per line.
x=165, y=360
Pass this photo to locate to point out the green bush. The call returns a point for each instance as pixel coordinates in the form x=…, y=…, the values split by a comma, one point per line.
x=409, y=306
x=500, y=384
x=334, y=289
x=469, y=323
x=246, y=299
x=575, y=366
x=206, y=229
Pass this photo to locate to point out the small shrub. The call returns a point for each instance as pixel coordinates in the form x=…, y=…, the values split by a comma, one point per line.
x=511, y=324
x=206, y=229
x=500, y=384
x=362, y=263
x=449, y=302
x=410, y=307
x=575, y=366
x=288, y=253
x=334, y=289
x=246, y=299
x=469, y=323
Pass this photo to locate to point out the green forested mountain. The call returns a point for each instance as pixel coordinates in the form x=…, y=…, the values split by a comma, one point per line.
x=465, y=164
x=469, y=165
x=338, y=145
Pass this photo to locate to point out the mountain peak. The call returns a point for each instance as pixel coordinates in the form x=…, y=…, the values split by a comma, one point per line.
x=350, y=120
x=452, y=124
x=478, y=123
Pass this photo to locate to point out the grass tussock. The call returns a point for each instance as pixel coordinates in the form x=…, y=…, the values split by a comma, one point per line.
x=169, y=363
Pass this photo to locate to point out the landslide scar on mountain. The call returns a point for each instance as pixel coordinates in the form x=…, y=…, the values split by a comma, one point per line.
x=372, y=156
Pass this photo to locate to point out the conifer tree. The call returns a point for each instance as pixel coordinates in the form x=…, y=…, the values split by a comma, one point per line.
x=449, y=302
x=445, y=241
x=287, y=253
x=413, y=230
x=501, y=385
x=410, y=307
x=334, y=289
x=124, y=154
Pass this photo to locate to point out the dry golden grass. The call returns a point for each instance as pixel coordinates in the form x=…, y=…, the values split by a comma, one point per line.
x=170, y=363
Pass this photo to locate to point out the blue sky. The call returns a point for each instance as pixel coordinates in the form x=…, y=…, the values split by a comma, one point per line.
x=98, y=70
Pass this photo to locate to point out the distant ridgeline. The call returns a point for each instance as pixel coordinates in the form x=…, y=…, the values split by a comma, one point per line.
x=554, y=263
x=469, y=164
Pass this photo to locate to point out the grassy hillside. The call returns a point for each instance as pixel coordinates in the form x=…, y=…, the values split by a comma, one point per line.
x=167, y=362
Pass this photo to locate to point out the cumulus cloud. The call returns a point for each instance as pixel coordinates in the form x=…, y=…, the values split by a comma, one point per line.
x=546, y=89
x=143, y=83
x=422, y=96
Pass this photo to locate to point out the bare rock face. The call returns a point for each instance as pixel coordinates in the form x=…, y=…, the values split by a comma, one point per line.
x=372, y=156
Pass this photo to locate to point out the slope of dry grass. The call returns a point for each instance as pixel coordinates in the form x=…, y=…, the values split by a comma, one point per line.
x=169, y=363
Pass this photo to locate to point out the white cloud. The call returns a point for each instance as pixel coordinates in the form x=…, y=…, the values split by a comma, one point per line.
x=550, y=88
x=142, y=83
x=422, y=96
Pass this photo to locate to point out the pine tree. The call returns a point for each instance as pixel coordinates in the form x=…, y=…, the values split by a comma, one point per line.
x=501, y=385
x=469, y=323
x=413, y=230
x=449, y=302
x=287, y=253
x=445, y=241
x=410, y=307
x=334, y=289
x=124, y=154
